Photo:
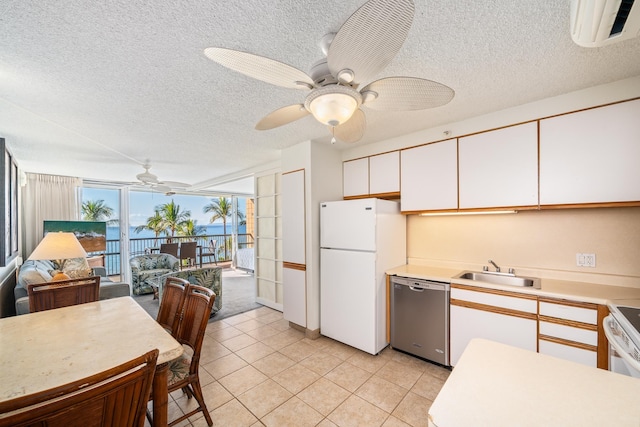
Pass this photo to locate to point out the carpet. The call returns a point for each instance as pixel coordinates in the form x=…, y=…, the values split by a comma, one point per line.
x=238, y=296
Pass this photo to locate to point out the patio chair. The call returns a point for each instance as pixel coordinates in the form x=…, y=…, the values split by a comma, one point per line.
x=183, y=371
x=188, y=253
x=145, y=270
x=173, y=293
x=50, y=295
x=115, y=397
x=212, y=248
x=169, y=248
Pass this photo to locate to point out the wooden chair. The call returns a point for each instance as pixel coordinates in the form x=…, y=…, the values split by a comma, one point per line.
x=188, y=252
x=116, y=397
x=46, y=296
x=173, y=294
x=183, y=371
x=169, y=248
x=213, y=246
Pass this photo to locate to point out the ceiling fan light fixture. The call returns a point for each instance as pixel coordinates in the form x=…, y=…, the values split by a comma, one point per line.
x=333, y=105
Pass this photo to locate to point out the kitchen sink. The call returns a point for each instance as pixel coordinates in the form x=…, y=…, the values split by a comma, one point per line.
x=500, y=278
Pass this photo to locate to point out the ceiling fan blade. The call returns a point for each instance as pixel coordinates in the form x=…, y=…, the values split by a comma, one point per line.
x=175, y=184
x=261, y=68
x=370, y=38
x=282, y=116
x=353, y=129
x=406, y=93
x=161, y=188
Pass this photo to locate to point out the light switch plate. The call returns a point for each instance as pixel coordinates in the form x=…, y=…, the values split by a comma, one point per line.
x=586, y=260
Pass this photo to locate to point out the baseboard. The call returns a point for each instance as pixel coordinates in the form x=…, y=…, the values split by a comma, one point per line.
x=308, y=333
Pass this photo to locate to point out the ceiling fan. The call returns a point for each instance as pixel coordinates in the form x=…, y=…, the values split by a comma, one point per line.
x=147, y=179
x=365, y=44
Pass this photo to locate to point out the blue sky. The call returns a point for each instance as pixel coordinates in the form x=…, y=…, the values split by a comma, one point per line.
x=141, y=204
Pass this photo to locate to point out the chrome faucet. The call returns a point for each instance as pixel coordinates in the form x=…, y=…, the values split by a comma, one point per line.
x=495, y=265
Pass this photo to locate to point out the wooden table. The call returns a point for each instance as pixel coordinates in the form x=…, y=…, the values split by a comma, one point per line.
x=46, y=349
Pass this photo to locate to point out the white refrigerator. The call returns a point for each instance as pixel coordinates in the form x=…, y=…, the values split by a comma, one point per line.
x=359, y=240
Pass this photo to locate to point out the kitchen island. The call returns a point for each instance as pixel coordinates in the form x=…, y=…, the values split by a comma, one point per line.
x=498, y=385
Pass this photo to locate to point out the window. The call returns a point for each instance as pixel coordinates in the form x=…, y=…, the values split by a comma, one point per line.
x=8, y=206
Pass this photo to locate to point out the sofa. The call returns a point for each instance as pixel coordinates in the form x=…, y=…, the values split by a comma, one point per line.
x=41, y=271
x=146, y=269
x=210, y=278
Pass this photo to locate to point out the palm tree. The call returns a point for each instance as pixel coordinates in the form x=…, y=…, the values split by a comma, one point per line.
x=154, y=223
x=172, y=218
x=97, y=210
x=221, y=209
x=191, y=228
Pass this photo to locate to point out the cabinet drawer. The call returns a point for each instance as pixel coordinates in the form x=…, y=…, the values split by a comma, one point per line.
x=569, y=333
x=579, y=355
x=528, y=305
x=568, y=312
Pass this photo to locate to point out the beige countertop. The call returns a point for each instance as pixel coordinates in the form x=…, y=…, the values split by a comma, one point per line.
x=42, y=350
x=571, y=290
x=498, y=385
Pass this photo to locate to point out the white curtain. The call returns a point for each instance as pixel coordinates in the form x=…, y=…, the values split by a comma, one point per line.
x=47, y=197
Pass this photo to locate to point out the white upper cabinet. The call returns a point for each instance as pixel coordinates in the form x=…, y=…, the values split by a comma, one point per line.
x=591, y=156
x=384, y=173
x=355, y=177
x=370, y=176
x=293, y=217
x=499, y=168
x=429, y=177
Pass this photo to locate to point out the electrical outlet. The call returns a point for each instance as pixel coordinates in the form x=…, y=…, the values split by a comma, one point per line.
x=586, y=260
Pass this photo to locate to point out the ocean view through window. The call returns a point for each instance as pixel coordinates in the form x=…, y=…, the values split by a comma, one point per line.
x=192, y=222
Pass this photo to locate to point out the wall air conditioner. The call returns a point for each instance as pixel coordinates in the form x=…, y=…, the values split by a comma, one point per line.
x=596, y=23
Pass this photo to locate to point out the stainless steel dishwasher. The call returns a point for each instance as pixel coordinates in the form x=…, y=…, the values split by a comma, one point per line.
x=420, y=318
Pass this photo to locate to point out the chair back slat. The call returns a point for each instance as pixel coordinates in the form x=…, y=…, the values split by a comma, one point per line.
x=113, y=398
x=196, y=311
x=169, y=248
x=173, y=294
x=188, y=252
x=47, y=296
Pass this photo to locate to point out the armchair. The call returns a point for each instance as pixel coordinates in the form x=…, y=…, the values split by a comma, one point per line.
x=145, y=269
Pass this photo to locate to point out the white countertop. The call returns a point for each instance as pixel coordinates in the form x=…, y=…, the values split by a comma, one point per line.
x=577, y=291
x=498, y=385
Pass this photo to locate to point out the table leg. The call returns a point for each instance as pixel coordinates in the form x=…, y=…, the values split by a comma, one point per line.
x=160, y=396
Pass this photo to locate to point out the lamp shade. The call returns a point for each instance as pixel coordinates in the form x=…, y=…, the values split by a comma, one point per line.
x=58, y=246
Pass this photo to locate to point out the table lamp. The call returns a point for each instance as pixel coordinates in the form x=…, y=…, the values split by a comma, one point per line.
x=58, y=246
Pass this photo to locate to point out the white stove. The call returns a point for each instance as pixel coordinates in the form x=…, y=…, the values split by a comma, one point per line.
x=622, y=328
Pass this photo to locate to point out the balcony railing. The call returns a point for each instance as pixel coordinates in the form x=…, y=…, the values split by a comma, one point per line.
x=139, y=246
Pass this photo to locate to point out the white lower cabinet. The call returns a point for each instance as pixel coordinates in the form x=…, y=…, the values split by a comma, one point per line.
x=295, y=296
x=504, y=317
x=569, y=330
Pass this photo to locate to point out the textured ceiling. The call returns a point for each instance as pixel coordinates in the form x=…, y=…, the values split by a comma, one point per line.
x=92, y=89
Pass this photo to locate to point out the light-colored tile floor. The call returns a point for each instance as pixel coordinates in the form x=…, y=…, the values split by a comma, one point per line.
x=257, y=371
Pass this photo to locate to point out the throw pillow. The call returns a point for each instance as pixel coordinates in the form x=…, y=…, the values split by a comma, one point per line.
x=77, y=268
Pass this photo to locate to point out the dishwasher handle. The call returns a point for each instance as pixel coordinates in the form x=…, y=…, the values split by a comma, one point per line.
x=416, y=289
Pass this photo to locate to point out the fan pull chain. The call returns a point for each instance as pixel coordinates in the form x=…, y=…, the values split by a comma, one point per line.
x=333, y=135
